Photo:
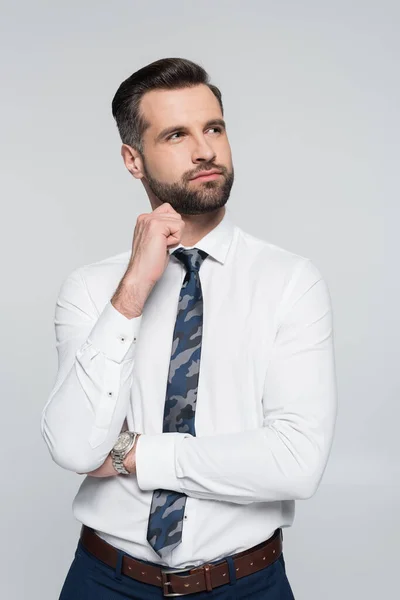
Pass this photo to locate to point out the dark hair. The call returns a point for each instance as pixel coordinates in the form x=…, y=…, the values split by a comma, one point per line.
x=163, y=74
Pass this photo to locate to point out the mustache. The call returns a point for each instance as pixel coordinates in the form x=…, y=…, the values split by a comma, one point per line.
x=207, y=168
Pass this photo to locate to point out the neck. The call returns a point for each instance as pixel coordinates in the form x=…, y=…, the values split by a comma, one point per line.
x=197, y=226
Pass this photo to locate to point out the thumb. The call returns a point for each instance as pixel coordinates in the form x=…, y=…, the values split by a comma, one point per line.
x=165, y=208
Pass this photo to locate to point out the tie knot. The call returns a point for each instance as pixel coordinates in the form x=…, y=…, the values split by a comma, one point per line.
x=192, y=258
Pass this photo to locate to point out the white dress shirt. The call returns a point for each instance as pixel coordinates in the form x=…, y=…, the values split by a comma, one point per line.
x=266, y=402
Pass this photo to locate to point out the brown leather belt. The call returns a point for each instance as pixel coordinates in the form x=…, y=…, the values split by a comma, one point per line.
x=204, y=577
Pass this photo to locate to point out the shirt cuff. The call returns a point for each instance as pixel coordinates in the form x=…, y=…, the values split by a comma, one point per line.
x=114, y=334
x=155, y=461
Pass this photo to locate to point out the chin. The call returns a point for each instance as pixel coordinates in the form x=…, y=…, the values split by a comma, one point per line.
x=200, y=210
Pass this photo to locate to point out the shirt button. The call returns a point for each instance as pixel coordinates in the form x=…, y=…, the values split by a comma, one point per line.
x=134, y=339
x=122, y=338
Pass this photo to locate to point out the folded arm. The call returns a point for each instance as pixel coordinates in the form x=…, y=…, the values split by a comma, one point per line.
x=87, y=406
x=286, y=457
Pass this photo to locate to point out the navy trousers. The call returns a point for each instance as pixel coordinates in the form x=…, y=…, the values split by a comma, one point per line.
x=89, y=578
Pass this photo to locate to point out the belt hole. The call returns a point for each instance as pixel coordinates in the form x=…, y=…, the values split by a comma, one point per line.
x=251, y=564
x=237, y=569
x=130, y=568
x=273, y=551
x=223, y=574
x=143, y=572
x=186, y=584
x=263, y=557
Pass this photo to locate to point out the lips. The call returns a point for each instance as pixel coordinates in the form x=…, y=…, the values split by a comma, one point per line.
x=205, y=173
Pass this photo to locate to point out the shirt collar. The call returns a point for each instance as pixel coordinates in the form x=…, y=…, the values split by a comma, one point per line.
x=217, y=241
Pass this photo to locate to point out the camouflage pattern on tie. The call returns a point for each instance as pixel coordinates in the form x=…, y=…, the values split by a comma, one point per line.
x=164, y=531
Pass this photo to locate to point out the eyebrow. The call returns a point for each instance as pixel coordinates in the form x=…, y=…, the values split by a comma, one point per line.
x=175, y=128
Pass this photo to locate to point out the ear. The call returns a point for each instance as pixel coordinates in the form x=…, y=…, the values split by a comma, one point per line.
x=133, y=161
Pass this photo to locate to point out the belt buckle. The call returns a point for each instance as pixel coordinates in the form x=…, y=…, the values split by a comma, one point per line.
x=165, y=581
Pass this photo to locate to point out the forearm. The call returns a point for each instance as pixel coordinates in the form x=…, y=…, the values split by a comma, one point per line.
x=270, y=464
x=89, y=400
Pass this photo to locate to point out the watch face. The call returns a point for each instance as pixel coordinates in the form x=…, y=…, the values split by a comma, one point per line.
x=123, y=441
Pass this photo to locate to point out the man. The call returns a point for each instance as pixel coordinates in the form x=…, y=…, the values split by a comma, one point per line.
x=184, y=497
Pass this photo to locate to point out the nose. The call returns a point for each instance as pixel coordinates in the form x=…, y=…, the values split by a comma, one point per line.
x=203, y=152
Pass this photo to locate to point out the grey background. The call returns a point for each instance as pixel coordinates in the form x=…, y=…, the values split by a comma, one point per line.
x=311, y=96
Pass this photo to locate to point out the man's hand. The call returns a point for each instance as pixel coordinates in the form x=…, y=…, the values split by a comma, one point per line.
x=154, y=234
x=129, y=461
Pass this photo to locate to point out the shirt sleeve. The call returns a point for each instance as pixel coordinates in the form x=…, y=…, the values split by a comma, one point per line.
x=87, y=405
x=285, y=458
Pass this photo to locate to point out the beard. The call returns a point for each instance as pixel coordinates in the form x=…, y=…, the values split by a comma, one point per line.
x=207, y=197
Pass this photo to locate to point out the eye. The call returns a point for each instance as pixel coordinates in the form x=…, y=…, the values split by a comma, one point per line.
x=170, y=137
x=217, y=129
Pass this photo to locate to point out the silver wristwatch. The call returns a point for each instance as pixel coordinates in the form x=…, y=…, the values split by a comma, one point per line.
x=124, y=443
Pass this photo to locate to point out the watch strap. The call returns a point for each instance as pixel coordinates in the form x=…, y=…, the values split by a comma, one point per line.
x=118, y=457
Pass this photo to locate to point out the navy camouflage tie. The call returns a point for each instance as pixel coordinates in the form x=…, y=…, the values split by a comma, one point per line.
x=164, y=530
